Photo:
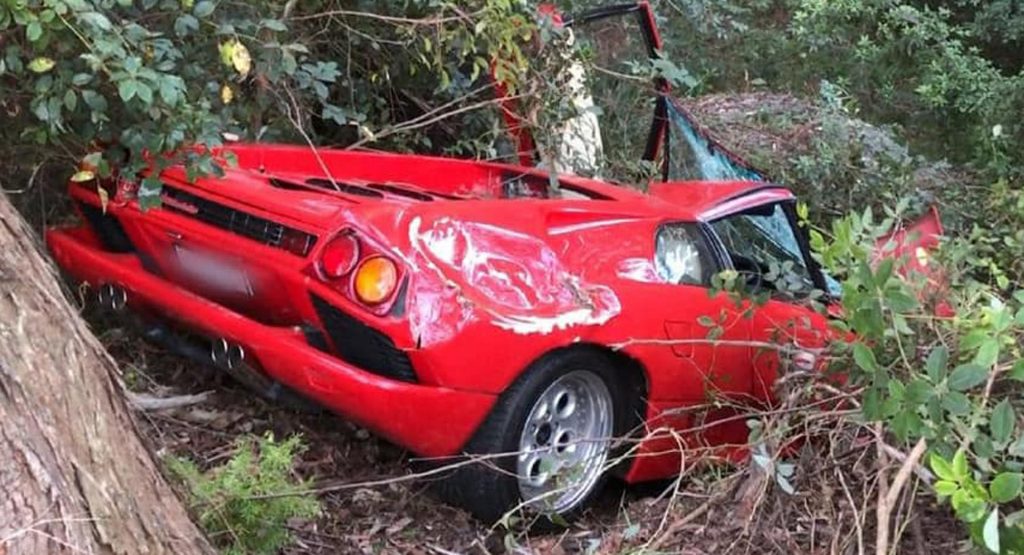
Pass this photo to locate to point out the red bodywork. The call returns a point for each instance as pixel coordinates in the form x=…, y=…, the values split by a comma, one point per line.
x=493, y=274
x=489, y=285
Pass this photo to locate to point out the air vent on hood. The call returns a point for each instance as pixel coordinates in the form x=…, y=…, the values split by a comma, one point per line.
x=346, y=188
x=399, y=191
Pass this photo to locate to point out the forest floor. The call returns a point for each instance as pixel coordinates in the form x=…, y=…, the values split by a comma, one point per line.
x=372, y=502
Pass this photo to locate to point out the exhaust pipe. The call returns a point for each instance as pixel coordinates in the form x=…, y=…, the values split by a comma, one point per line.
x=227, y=355
x=113, y=297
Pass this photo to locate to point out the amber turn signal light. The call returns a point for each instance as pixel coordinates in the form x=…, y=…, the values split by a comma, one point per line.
x=375, y=280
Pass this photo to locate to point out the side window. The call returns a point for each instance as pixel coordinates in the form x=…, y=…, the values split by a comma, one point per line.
x=681, y=255
x=765, y=249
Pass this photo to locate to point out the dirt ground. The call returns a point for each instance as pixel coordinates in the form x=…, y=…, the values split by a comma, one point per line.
x=376, y=508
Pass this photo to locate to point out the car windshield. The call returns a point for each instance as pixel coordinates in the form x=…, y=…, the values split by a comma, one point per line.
x=694, y=156
x=764, y=248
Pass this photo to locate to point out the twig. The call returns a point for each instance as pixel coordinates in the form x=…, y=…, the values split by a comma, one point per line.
x=679, y=524
x=887, y=496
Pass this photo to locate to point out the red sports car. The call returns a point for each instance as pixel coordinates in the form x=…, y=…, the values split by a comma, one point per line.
x=460, y=307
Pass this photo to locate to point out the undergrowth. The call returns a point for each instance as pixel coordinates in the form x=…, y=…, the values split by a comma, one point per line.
x=245, y=504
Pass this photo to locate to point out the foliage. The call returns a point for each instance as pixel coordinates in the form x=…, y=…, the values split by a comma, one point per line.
x=950, y=380
x=246, y=504
x=140, y=80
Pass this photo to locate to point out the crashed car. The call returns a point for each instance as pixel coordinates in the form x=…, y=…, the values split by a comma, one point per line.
x=462, y=308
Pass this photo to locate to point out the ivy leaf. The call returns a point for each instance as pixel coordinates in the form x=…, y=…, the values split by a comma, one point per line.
x=33, y=31
x=1005, y=487
x=185, y=24
x=967, y=376
x=241, y=59
x=82, y=176
x=144, y=92
x=127, y=89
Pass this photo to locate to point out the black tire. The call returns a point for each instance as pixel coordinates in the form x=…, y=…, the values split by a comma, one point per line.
x=490, y=489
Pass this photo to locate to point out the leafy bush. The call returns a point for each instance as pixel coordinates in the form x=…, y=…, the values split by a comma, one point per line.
x=951, y=383
x=245, y=504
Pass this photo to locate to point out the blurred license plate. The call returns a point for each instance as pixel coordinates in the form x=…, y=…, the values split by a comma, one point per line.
x=214, y=271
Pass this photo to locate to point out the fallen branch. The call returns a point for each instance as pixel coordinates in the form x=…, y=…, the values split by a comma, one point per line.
x=153, y=403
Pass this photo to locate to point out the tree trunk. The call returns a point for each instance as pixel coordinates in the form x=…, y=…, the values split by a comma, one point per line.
x=74, y=475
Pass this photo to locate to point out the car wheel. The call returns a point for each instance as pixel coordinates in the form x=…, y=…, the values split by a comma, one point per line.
x=546, y=447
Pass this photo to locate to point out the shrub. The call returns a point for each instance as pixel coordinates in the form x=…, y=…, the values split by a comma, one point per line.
x=245, y=504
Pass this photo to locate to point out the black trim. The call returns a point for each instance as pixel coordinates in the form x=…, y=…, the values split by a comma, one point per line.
x=107, y=228
x=362, y=346
x=258, y=229
x=606, y=12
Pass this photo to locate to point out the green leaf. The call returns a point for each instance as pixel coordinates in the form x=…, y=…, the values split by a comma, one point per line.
x=937, y=363
x=144, y=92
x=960, y=470
x=919, y=391
x=945, y=488
x=988, y=352
x=127, y=89
x=1003, y=422
x=41, y=64
x=941, y=468
x=865, y=358
x=956, y=403
x=990, y=532
x=967, y=376
x=204, y=8
x=33, y=31
x=1005, y=487
x=96, y=20
x=1017, y=372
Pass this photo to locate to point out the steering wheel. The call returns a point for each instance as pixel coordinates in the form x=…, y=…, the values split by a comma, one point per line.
x=750, y=269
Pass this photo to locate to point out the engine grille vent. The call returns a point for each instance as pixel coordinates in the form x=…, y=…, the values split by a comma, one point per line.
x=241, y=223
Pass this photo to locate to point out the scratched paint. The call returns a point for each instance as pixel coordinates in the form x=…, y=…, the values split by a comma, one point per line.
x=514, y=280
x=638, y=269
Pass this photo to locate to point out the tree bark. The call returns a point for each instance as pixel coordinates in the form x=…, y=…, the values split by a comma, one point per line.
x=74, y=475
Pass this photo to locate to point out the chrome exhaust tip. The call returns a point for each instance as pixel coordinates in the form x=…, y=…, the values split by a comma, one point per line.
x=113, y=297
x=227, y=355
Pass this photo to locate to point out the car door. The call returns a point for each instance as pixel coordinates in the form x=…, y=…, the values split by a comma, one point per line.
x=766, y=247
x=708, y=334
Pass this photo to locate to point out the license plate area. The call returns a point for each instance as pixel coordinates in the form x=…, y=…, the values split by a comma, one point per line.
x=213, y=271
